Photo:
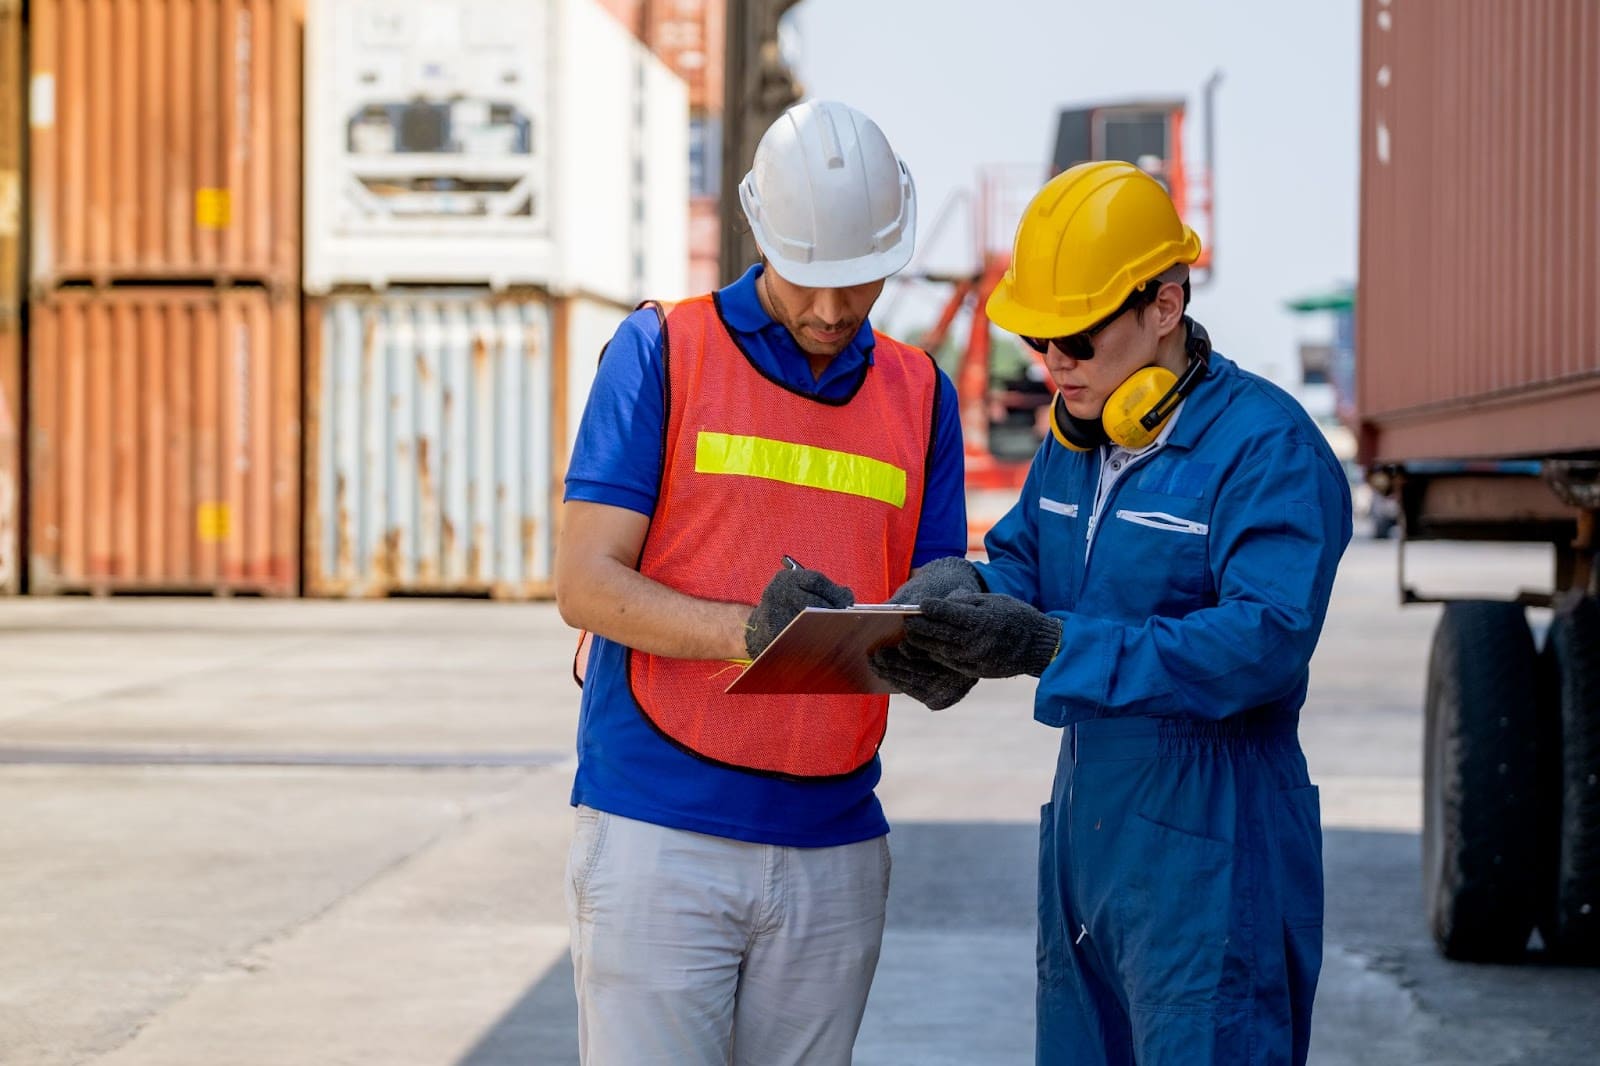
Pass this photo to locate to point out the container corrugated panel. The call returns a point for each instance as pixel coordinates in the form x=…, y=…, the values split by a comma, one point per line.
x=430, y=441
x=165, y=139
x=586, y=327
x=10, y=156
x=10, y=357
x=1478, y=330
x=688, y=36
x=10, y=457
x=165, y=436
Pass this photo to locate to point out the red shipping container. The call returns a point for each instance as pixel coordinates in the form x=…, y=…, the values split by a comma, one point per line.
x=10, y=457
x=1478, y=334
x=165, y=441
x=10, y=357
x=165, y=139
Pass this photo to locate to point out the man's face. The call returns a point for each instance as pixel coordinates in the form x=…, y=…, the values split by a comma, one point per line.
x=822, y=321
x=1127, y=344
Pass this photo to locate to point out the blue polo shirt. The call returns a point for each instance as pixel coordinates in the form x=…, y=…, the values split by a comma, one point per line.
x=627, y=768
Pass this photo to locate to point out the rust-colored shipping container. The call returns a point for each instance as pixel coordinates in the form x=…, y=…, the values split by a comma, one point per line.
x=10, y=231
x=165, y=140
x=165, y=441
x=688, y=36
x=10, y=155
x=1478, y=330
x=1477, y=362
x=10, y=457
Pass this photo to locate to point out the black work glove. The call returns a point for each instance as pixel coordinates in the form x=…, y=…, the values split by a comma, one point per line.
x=938, y=579
x=910, y=671
x=985, y=634
x=786, y=595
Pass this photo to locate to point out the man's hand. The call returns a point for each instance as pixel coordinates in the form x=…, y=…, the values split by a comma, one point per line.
x=786, y=595
x=910, y=671
x=938, y=579
x=985, y=634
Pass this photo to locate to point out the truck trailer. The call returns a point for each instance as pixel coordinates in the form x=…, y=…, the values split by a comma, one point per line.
x=1478, y=410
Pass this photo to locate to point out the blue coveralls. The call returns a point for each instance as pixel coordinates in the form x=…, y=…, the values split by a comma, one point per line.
x=1180, y=859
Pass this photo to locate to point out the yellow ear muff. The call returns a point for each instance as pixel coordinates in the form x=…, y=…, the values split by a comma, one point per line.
x=1133, y=400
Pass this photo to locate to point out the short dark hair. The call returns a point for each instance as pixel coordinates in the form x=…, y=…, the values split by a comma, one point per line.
x=1145, y=295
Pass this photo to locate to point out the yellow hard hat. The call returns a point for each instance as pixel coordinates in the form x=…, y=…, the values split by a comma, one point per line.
x=1092, y=235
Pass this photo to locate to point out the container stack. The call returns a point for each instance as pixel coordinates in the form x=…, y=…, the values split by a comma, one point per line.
x=690, y=36
x=10, y=296
x=164, y=333
x=491, y=186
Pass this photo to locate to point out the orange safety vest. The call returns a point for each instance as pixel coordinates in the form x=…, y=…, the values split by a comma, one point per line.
x=754, y=471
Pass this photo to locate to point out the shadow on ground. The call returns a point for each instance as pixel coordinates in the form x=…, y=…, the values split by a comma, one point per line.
x=963, y=901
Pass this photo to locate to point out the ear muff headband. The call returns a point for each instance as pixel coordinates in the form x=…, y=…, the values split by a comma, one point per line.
x=1136, y=411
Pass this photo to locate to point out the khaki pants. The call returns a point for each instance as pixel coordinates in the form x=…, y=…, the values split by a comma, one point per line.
x=691, y=949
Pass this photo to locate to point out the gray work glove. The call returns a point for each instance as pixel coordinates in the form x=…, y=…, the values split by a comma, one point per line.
x=910, y=671
x=938, y=579
x=985, y=634
x=786, y=595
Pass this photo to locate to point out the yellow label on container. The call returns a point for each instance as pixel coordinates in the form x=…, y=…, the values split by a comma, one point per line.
x=213, y=208
x=214, y=522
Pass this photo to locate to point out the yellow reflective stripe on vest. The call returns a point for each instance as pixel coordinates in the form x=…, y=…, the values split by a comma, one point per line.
x=800, y=464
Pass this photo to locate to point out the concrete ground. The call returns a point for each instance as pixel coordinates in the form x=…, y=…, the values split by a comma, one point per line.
x=260, y=833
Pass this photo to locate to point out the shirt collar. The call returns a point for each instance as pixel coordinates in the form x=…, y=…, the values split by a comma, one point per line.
x=742, y=311
x=1205, y=403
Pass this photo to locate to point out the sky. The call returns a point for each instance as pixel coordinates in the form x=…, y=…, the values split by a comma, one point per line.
x=958, y=84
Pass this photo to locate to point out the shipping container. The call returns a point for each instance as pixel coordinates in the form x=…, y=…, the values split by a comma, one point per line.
x=1477, y=363
x=705, y=241
x=165, y=140
x=10, y=158
x=498, y=142
x=11, y=81
x=164, y=441
x=688, y=36
x=439, y=423
x=10, y=457
x=1478, y=331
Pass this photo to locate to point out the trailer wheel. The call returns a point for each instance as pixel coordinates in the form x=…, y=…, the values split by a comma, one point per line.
x=1570, y=668
x=1480, y=809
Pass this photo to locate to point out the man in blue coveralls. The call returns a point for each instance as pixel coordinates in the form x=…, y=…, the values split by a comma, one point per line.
x=1165, y=575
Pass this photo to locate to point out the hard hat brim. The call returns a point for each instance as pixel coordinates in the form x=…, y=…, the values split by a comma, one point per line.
x=839, y=274
x=1011, y=315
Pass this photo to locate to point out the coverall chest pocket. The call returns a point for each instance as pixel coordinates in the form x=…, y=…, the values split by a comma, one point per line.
x=1167, y=550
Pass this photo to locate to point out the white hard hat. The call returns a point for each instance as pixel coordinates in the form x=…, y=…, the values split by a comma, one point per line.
x=828, y=200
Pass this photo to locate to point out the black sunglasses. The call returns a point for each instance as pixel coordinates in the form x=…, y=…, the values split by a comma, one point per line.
x=1079, y=347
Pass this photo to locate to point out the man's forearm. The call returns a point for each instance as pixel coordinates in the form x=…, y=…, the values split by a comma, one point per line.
x=623, y=605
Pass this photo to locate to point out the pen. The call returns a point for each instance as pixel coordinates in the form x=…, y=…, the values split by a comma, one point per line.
x=791, y=564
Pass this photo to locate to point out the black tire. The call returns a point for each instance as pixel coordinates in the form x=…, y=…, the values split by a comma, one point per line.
x=1480, y=854
x=1570, y=667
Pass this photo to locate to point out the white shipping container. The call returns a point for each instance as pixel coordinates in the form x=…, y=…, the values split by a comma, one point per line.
x=439, y=425
x=498, y=142
x=588, y=327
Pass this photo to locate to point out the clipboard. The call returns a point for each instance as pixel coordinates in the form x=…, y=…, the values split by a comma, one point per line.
x=824, y=650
